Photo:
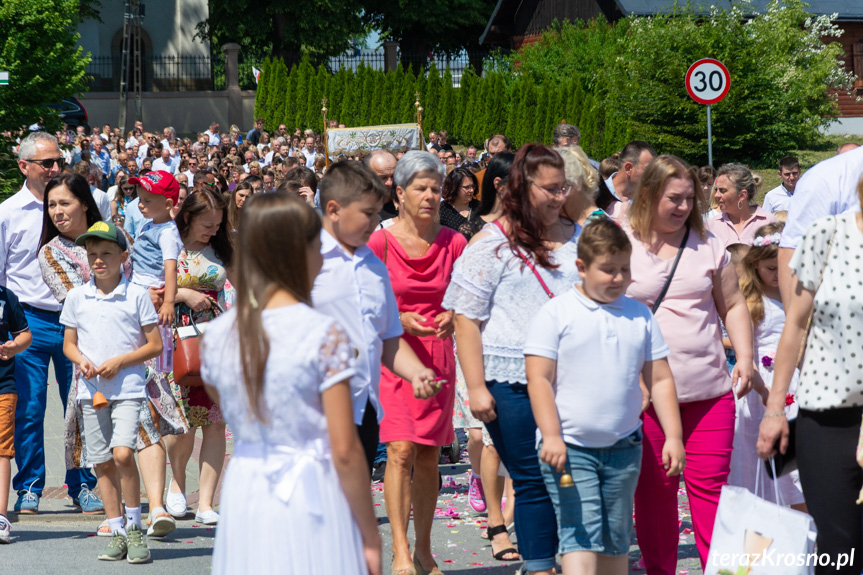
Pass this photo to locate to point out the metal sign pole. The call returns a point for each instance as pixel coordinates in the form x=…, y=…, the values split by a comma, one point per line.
x=709, y=139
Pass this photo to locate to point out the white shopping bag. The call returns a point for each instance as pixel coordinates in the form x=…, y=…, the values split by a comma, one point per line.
x=752, y=536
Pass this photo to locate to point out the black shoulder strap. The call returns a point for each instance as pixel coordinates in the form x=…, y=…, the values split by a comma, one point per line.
x=673, y=269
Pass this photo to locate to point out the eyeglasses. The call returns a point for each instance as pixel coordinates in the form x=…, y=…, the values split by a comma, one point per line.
x=562, y=191
x=470, y=188
x=48, y=163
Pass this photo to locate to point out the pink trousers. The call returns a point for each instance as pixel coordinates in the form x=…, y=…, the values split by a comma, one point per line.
x=708, y=437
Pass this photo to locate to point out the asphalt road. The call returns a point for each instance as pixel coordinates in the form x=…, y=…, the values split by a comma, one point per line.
x=62, y=541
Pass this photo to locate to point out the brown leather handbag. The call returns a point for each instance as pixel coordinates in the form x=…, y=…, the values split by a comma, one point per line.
x=187, y=353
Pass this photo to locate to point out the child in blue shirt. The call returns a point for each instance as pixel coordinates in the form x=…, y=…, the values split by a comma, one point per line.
x=158, y=244
x=16, y=337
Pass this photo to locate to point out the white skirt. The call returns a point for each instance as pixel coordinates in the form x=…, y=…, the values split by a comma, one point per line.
x=259, y=533
x=744, y=457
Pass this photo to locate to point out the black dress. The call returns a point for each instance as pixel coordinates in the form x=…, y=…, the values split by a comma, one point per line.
x=450, y=218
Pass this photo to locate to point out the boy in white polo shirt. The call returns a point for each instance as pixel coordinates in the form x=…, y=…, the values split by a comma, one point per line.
x=587, y=405
x=111, y=330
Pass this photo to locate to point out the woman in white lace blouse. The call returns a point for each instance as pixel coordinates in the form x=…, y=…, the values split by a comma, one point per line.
x=507, y=273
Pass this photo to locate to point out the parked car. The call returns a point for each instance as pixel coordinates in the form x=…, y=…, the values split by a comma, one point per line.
x=72, y=112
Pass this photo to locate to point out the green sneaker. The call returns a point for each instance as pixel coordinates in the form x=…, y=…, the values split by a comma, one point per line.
x=137, y=545
x=116, y=550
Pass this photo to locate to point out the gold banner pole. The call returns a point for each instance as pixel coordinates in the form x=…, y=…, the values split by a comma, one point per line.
x=419, y=108
x=324, y=138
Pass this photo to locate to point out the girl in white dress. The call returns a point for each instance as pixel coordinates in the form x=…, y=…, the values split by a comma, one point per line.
x=760, y=285
x=296, y=494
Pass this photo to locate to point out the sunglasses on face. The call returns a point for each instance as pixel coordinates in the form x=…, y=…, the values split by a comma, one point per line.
x=48, y=163
x=128, y=188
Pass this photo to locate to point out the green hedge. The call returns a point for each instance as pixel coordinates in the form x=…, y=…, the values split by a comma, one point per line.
x=498, y=102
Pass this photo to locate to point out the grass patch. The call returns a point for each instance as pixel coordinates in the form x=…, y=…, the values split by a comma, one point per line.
x=808, y=158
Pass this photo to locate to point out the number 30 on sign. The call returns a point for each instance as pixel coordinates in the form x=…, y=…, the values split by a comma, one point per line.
x=707, y=81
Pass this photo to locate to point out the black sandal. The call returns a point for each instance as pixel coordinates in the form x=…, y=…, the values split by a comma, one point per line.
x=499, y=556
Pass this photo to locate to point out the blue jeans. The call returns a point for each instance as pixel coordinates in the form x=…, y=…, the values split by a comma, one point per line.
x=31, y=379
x=381, y=454
x=595, y=513
x=514, y=437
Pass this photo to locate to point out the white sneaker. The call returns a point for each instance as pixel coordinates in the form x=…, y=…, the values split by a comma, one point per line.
x=209, y=517
x=175, y=503
x=160, y=523
x=5, y=528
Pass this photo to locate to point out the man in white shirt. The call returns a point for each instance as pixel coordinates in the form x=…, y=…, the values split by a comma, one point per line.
x=20, y=230
x=827, y=188
x=100, y=157
x=433, y=142
x=276, y=150
x=164, y=162
x=634, y=158
x=777, y=199
x=168, y=135
x=309, y=152
x=213, y=135
x=193, y=169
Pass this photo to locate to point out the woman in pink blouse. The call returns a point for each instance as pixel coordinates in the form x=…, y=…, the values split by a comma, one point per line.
x=663, y=220
x=737, y=220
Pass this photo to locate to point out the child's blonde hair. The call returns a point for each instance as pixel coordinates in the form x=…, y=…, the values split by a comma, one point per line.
x=765, y=247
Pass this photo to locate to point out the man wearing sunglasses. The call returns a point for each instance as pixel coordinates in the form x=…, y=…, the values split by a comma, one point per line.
x=39, y=159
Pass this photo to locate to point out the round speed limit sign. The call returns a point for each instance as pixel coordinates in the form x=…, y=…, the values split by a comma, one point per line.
x=707, y=81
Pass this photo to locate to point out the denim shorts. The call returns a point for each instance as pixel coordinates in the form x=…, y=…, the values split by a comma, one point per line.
x=595, y=514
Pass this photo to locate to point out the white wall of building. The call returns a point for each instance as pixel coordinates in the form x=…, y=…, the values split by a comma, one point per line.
x=170, y=26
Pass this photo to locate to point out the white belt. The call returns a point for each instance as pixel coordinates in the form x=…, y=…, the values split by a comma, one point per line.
x=287, y=467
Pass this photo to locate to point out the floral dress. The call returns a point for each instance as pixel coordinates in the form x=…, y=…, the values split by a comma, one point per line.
x=204, y=272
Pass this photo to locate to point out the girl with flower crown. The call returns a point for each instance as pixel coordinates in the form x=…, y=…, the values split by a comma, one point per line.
x=759, y=282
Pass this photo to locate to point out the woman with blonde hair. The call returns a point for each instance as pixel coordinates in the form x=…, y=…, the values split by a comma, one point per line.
x=298, y=466
x=683, y=273
x=584, y=180
x=124, y=194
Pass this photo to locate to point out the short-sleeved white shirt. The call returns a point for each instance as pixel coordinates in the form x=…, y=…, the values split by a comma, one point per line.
x=109, y=326
x=600, y=351
x=828, y=188
x=832, y=372
x=355, y=291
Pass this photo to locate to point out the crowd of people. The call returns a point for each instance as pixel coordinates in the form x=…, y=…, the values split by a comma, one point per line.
x=600, y=329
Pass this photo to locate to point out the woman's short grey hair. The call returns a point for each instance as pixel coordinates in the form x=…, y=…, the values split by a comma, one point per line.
x=578, y=170
x=28, y=145
x=414, y=163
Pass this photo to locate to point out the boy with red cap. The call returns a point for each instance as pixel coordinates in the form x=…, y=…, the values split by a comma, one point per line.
x=158, y=244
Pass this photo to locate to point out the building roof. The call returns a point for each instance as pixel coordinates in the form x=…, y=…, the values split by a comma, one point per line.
x=846, y=9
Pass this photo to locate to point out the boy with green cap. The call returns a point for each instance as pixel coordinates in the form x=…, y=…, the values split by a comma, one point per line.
x=111, y=330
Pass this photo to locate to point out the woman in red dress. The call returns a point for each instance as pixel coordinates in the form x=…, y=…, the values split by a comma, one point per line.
x=419, y=254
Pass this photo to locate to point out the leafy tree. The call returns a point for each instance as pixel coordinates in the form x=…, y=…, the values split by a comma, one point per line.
x=284, y=28
x=422, y=27
x=39, y=48
x=261, y=96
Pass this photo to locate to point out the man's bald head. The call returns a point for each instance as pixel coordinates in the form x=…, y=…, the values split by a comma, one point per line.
x=497, y=144
x=383, y=164
x=847, y=148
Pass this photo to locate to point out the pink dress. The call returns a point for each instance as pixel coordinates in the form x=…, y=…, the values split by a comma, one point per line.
x=420, y=284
